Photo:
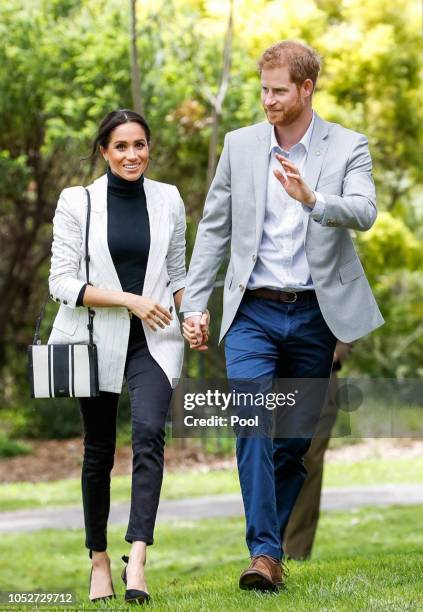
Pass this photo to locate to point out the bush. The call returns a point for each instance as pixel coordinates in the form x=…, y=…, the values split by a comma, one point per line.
x=55, y=418
x=12, y=448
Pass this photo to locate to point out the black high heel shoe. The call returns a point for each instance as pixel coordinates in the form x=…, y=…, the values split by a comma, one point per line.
x=134, y=596
x=106, y=597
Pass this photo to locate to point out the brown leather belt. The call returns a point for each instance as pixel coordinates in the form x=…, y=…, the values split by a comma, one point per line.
x=288, y=297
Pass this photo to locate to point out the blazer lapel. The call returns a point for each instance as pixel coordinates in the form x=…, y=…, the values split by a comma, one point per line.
x=260, y=172
x=316, y=151
x=316, y=154
x=158, y=214
x=98, y=232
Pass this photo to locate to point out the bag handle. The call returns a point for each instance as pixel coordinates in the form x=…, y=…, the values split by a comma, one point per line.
x=91, y=313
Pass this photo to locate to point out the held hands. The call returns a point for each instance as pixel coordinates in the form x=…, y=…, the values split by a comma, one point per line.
x=293, y=182
x=195, y=329
x=149, y=311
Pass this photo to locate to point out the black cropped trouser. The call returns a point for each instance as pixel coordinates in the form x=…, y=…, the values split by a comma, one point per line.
x=150, y=393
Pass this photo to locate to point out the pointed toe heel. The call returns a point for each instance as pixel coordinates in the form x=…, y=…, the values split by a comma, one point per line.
x=125, y=559
x=134, y=596
x=96, y=599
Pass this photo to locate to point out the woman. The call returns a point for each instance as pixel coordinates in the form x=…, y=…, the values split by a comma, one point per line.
x=137, y=271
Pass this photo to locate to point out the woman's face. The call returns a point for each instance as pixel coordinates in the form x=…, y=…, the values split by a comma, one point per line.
x=127, y=152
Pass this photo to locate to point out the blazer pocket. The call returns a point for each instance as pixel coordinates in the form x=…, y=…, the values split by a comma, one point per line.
x=350, y=271
x=67, y=323
x=330, y=178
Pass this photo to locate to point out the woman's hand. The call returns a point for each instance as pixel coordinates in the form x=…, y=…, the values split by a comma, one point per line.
x=149, y=311
x=196, y=330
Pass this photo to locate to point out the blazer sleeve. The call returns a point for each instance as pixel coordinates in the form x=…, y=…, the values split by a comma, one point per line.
x=176, y=253
x=356, y=208
x=213, y=236
x=66, y=249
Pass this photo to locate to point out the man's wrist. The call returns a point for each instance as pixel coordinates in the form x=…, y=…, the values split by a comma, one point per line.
x=311, y=200
x=196, y=313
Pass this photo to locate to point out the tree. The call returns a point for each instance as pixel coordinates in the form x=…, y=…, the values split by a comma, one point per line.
x=64, y=64
x=135, y=70
x=52, y=97
x=392, y=257
x=217, y=100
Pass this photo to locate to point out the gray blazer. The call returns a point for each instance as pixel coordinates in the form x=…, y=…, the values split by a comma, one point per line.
x=165, y=274
x=339, y=166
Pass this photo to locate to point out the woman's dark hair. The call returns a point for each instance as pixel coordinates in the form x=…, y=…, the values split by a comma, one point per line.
x=111, y=121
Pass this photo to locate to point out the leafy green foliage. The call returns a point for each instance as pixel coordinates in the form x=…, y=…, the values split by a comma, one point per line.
x=12, y=448
x=64, y=64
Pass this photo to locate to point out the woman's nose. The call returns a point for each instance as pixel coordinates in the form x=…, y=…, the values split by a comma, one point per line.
x=131, y=153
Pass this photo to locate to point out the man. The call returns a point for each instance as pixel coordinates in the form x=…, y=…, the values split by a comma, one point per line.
x=302, y=525
x=284, y=197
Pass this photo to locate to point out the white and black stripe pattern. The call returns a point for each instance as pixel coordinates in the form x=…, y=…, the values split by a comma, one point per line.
x=63, y=370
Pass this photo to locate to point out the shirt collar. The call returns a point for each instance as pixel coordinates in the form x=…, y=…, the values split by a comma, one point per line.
x=305, y=140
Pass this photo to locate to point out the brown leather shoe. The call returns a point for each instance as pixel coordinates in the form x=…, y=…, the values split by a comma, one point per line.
x=263, y=574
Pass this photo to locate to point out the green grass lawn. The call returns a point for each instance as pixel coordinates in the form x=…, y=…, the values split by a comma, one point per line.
x=193, y=483
x=368, y=559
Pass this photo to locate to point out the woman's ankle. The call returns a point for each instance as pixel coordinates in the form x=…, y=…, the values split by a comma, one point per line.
x=99, y=558
x=138, y=554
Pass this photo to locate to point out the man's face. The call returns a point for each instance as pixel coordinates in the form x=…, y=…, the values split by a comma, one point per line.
x=282, y=100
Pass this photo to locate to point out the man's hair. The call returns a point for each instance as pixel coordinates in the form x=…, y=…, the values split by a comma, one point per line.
x=302, y=61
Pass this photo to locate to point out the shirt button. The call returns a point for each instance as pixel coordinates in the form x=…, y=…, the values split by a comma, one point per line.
x=241, y=287
x=170, y=308
x=253, y=257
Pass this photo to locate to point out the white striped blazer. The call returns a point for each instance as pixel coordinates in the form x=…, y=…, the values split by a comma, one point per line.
x=165, y=274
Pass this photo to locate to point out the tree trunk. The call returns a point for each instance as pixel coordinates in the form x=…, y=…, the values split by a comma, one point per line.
x=217, y=101
x=135, y=69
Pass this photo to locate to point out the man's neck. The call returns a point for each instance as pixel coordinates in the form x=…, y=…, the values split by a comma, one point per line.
x=289, y=135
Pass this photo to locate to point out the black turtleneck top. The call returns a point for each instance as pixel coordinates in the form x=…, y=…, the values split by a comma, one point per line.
x=128, y=232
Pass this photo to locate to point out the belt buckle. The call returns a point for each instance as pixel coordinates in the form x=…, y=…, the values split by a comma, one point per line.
x=294, y=295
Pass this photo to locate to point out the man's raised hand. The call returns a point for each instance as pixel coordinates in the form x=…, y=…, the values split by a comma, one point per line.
x=293, y=183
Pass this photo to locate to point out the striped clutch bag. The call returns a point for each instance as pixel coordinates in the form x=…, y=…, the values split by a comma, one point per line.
x=65, y=370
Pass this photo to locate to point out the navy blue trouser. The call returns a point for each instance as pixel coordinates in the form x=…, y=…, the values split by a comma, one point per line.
x=269, y=340
x=150, y=393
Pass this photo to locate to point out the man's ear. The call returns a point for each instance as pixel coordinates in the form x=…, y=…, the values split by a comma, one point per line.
x=308, y=88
